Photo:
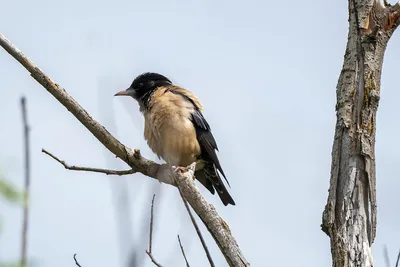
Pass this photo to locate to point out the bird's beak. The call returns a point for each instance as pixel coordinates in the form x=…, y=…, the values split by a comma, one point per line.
x=123, y=92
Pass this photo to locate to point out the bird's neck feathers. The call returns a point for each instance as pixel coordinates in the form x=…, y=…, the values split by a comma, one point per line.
x=144, y=100
x=145, y=95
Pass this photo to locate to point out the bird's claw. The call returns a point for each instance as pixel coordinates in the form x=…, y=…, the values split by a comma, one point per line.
x=179, y=168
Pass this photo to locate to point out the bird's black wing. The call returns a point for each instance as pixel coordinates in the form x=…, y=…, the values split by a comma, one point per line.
x=205, y=138
x=208, y=175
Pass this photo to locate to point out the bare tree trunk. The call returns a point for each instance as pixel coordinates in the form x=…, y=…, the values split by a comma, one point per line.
x=349, y=218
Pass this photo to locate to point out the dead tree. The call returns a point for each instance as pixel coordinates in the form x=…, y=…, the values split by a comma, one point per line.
x=349, y=218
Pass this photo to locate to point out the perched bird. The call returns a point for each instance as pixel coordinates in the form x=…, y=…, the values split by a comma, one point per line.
x=176, y=130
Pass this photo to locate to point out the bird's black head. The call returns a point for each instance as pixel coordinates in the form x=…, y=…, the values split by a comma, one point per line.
x=143, y=86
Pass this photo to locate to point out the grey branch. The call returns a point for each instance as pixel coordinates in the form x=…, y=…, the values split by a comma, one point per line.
x=183, y=252
x=349, y=218
x=150, y=250
x=207, y=213
x=398, y=259
x=203, y=242
x=88, y=169
x=25, y=217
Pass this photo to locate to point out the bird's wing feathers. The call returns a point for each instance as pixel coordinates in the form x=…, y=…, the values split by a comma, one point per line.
x=210, y=178
x=205, y=180
x=203, y=130
x=189, y=96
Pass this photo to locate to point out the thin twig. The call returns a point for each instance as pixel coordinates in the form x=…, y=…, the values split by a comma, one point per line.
x=25, y=219
x=149, y=251
x=76, y=261
x=398, y=259
x=151, y=224
x=203, y=242
x=183, y=252
x=88, y=169
x=386, y=256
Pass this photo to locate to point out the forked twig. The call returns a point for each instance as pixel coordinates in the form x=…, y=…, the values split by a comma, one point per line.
x=149, y=251
x=88, y=169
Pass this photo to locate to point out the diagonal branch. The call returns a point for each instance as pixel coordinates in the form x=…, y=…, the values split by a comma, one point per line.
x=88, y=169
x=207, y=213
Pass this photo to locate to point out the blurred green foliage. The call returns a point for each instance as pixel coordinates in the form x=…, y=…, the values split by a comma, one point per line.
x=9, y=192
x=9, y=265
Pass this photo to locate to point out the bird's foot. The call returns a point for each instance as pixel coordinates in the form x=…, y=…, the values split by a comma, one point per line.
x=179, y=168
x=182, y=169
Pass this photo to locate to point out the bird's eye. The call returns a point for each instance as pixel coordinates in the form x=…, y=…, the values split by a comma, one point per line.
x=140, y=85
x=151, y=83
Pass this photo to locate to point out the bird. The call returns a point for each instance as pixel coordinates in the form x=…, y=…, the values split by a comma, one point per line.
x=176, y=130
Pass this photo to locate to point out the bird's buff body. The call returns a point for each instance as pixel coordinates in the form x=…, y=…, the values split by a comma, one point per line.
x=168, y=128
x=176, y=130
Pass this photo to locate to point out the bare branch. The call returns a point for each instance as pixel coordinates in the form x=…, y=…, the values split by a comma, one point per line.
x=398, y=259
x=76, y=261
x=149, y=251
x=88, y=169
x=207, y=213
x=203, y=242
x=183, y=252
x=25, y=218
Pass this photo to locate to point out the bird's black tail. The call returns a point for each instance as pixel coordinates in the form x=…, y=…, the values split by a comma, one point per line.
x=209, y=177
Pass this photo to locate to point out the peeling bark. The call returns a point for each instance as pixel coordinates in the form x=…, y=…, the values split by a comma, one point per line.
x=349, y=218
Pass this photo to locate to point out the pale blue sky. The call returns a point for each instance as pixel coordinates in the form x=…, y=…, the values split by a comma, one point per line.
x=266, y=72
